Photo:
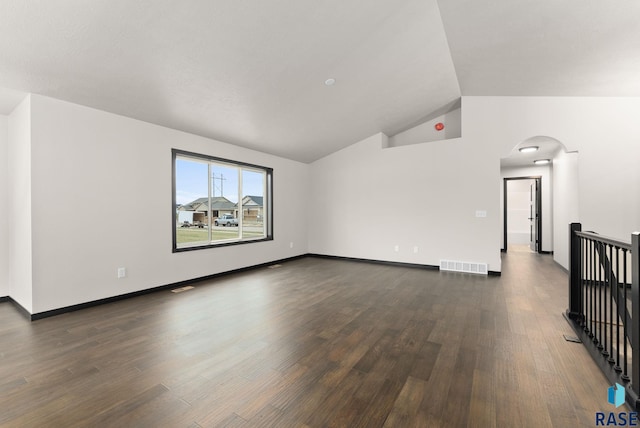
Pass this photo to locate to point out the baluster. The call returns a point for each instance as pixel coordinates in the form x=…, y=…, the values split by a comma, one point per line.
x=617, y=367
x=592, y=282
x=590, y=288
x=625, y=375
x=584, y=285
x=603, y=285
x=603, y=324
x=583, y=306
x=601, y=319
x=610, y=288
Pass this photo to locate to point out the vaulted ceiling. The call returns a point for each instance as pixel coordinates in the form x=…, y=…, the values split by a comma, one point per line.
x=253, y=73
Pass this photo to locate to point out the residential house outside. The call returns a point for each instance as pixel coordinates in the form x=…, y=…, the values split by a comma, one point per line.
x=200, y=207
x=252, y=209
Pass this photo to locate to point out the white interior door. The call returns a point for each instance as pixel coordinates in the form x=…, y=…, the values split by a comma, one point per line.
x=533, y=216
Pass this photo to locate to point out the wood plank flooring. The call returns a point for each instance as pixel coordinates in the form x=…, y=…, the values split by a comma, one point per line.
x=313, y=343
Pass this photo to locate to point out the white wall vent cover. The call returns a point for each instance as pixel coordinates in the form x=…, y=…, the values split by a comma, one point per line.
x=466, y=267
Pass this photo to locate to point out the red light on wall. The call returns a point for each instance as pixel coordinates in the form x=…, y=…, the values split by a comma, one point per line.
x=439, y=126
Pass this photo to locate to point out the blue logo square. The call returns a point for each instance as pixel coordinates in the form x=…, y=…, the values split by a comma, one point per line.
x=616, y=395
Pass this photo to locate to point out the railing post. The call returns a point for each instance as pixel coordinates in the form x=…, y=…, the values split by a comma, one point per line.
x=635, y=312
x=575, y=273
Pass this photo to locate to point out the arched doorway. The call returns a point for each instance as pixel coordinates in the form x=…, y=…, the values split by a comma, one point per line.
x=547, y=205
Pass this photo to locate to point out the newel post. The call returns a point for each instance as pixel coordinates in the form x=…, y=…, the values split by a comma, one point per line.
x=575, y=273
x=635, y=312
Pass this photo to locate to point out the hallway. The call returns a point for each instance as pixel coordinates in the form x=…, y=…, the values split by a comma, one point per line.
x=556, y=382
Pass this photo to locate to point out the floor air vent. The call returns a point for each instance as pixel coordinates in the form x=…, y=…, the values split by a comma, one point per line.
x=466, y=267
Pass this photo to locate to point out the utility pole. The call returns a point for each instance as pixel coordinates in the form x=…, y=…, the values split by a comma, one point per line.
x=221, y=178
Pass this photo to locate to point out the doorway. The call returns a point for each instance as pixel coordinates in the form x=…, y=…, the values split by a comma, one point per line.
x=522, y=217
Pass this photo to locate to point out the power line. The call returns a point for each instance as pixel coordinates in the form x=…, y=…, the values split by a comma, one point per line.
x=221, y=178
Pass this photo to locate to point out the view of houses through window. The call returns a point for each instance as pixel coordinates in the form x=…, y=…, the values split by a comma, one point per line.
x=219, y=201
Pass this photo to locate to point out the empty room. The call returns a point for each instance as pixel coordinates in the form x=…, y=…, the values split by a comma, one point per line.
x=319, y=214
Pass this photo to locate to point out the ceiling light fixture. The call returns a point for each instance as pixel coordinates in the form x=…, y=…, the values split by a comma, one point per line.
x=542, y=161
x=529, y=149
x=330, y=81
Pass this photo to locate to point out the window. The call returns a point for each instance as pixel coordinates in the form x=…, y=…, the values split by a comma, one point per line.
x=219, y=202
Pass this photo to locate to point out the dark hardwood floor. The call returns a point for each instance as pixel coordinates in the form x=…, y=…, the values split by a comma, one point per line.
x=313, y=343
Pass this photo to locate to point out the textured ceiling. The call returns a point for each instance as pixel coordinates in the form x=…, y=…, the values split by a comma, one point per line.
x=252, y=73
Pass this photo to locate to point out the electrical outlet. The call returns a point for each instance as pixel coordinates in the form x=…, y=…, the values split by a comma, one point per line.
x=415, y=249
x=396, y=248
x=290, y=244
x=481, y=213
x=122, y=272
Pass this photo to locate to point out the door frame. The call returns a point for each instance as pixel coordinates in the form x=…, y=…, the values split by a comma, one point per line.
x=538, y=179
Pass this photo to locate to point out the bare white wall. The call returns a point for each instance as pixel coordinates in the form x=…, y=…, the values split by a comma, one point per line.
x=544, y=171
x=368, y=199
x=4, y=208
x=565, y=203
x=20, y=208
x=605, y=132
x=101, y=188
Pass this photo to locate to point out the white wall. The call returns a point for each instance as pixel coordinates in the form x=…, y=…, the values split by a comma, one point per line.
x=565, y=203
x=4, y=208
x=368, y=199
x=545, y=172
x=101, y=187
x=605, y=132
x=20, y=214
